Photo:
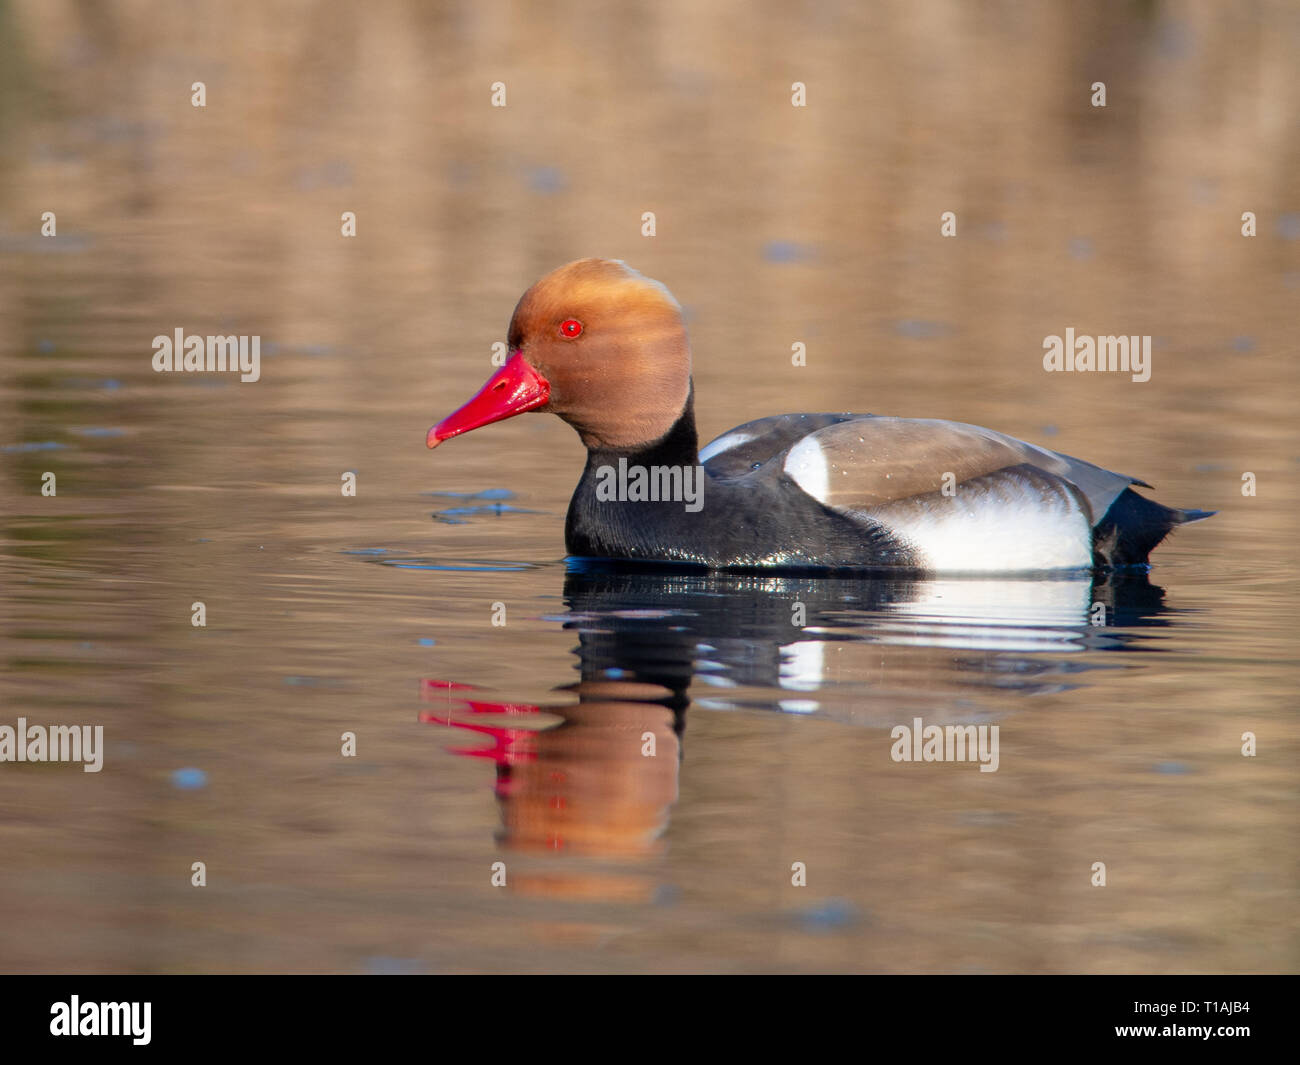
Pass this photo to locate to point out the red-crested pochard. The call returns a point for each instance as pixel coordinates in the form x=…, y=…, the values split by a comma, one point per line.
x=604, y=348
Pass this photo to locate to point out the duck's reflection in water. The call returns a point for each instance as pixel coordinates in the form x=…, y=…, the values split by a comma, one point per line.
x=597, y=777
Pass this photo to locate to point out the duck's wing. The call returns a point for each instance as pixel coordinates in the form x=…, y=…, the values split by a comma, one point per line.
x=861, y=464
x=740, y=451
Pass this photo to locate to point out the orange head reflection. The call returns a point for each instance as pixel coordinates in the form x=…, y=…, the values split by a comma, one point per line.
x=595, y=778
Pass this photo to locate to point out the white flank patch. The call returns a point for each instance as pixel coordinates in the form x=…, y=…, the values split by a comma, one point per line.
x=805, y=464
x=1008, y=527
x=1004, y=525
x=724, y=443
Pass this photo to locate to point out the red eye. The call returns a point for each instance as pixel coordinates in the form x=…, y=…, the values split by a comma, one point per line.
x=570, y=327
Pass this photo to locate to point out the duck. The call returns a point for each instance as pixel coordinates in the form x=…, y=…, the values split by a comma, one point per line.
x=605, y=348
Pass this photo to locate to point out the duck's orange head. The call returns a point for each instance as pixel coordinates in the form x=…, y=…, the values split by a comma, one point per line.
x=596, y=343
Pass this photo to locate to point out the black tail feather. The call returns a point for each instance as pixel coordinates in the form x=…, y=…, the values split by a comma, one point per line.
x=1133, y=526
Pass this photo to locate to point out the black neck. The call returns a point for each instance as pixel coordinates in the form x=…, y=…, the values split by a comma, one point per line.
x=597, y=529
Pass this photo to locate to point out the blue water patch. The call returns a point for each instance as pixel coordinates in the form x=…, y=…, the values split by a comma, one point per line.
x=41, y=445
x=45, y=346
x=1288, y=226
x=788, y=251
x=454, y=515
x=425, y=641
x=107, y=384
x=455, y=567
x=667, y=895
x=382, y=965
x=828, y=915
x=1243, y=343
x=1175, y=40
x=920, y=329
x=546, y=180
x=459, y=174
x=1173, y=768
x=98, y=430
x=487, y=493
x=189, y=779
x=368, y=551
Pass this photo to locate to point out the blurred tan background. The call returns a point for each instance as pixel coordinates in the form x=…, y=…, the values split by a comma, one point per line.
x=774, y=223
